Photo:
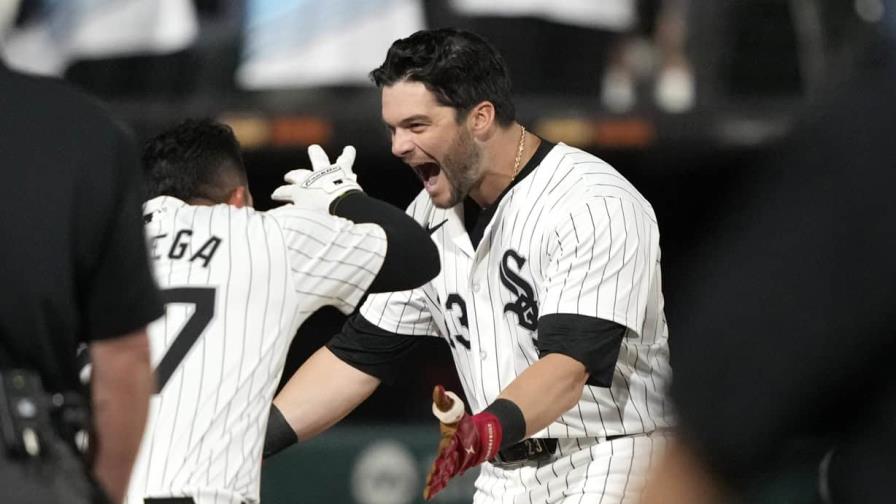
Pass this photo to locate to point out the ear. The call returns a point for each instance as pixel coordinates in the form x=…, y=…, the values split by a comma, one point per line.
x=481, y=119
x=240, y=197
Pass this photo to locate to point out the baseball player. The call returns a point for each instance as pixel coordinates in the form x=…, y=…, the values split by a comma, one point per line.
x=237, y=284
x=549, y=295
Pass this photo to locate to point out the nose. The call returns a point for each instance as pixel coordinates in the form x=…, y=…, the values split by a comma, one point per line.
x=401, y=143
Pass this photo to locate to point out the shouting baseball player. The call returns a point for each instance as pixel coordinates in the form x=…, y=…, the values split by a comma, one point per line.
x=237, y=284
x=549, y=296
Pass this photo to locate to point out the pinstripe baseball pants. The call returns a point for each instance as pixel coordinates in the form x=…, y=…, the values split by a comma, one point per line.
x=584, y=470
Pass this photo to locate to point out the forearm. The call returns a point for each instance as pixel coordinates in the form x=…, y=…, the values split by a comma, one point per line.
x=121, y=386
x=411, y=256
x=321, y=393
x=547, y=389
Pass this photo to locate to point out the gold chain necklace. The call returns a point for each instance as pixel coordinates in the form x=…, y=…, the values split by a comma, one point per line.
x=519, y=153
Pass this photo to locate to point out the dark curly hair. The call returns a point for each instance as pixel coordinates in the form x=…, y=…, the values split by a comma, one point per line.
x=198, y=158
x=460, y=68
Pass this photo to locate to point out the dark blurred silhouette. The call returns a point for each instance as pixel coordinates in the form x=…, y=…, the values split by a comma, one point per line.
x=75, y=271
x=790, y=331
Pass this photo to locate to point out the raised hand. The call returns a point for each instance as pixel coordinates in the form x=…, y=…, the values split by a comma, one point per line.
x=318, y=188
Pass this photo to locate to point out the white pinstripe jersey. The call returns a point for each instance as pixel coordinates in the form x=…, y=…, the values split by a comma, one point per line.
x=572, y=237
x=237, y=285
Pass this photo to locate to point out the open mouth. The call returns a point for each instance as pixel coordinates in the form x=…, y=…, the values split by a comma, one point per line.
x=428, y=173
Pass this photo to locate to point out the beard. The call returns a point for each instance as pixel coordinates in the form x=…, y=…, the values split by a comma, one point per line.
x=461, y=167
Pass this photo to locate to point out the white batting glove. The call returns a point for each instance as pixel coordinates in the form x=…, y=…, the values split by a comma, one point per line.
x=318, y=188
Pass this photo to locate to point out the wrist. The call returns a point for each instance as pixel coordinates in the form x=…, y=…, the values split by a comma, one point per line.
x=511, y=420
x=338, y=199
x=490, y=435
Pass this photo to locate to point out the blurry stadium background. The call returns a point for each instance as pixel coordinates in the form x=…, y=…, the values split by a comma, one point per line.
x=288, y=73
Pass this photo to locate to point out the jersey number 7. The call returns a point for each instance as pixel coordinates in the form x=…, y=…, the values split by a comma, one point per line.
x=203, y=298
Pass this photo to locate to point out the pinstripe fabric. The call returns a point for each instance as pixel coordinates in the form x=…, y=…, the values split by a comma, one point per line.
x=269, y=272
x=609, y=472
x=582, y=239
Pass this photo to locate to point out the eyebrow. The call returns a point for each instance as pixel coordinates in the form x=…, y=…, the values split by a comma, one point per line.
x=413, y=119
x=408, y=120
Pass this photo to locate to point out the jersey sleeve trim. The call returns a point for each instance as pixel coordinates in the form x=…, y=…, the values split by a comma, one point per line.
x=592, y=341
x=370, y=349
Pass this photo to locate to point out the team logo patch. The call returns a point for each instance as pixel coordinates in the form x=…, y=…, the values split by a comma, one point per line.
x=524, y=306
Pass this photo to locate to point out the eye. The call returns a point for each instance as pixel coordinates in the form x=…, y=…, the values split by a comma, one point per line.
x=417, y=127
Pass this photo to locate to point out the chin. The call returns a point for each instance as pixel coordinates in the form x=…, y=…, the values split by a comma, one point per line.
x=442, y=201
x=446, y=194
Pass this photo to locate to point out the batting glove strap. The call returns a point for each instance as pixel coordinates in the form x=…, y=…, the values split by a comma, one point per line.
x=490, y=432
x=331, y=180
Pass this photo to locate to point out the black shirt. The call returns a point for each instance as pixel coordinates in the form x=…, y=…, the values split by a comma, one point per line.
x=73, y=265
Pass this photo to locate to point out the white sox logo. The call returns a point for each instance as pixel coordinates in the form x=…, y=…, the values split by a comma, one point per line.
x=524, y=306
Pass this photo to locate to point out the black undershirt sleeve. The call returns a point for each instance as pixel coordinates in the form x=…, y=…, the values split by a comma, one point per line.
x=411, y=256
x=592, y=341
x=279, y=434
x=370, y=349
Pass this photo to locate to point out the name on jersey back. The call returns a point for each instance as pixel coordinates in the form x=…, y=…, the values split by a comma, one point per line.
x=181, y=243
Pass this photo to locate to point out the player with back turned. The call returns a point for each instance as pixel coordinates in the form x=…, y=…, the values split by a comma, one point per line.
x=237, y=284
x=549, y=296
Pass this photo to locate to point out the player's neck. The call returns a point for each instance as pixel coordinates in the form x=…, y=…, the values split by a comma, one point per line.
x=202, y=201
x=503, y=157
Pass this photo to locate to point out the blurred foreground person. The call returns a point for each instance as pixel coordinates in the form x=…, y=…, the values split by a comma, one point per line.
x=795, y=333
x=74, y=269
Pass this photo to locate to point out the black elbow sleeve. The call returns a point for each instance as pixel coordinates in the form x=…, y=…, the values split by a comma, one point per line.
x=411, y=256
x=279, y=434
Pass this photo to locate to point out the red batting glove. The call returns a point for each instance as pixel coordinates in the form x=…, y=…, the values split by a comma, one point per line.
x=464, y=444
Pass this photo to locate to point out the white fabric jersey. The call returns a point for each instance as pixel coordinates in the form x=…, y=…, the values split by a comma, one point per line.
x=572, y=237
x=237, y=284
